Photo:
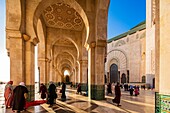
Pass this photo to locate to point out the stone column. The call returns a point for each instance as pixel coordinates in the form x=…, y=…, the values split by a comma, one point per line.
x=47, y=69
x=30, y=67
x=91, y=70
x=108, y=77
x=41, y=65
x=162, y=96
x=96, y=71
x=77, y=76
x=74, y=77
x=150, y=45
x=17, y=58
x=51, y=76
x=83, y=74
x=100, y=68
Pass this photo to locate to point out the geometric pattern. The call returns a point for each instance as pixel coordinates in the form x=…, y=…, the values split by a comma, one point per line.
x=162, y=103
x=165, y=103
x=61, y=15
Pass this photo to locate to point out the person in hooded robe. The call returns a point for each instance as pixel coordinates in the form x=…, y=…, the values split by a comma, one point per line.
x=20, y=94
x=117, y=94
x=63, y=96
x=109, y=88
x=8, y=94
x=52, y=95
x=43, y=91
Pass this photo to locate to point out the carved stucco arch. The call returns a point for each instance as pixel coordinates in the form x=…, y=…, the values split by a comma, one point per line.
x=72, y=3
x=114, y=60
x=120, y=56
x=73, y=59
x=64, y=66
x=64, y=36
x=65, y=61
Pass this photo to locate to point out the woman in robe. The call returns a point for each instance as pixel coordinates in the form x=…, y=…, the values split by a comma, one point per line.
x=109, y=88
x=20, y=94
x=63, y=96
x=8, y=94
x=117, y=94
x=52, y=95
x=43, y=91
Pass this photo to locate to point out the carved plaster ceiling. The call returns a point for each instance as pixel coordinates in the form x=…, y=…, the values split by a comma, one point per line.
x=63, y=41
x=61, y=15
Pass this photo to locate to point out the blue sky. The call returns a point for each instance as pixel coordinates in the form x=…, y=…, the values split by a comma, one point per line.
x=123, y=15
x=2, y=25
x=4, y=59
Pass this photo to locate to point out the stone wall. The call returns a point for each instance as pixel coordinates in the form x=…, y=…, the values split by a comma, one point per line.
x=131, y=55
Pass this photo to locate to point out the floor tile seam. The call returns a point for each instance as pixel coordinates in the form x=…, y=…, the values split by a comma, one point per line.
x=45, y=106
x=71, y=107
x=139, y=103
x=133, y=102
x=102, y=104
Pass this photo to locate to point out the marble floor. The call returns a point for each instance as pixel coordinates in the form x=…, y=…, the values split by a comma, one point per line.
x=75, y=103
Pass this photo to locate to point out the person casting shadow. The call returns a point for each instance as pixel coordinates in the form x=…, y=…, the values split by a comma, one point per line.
x=79, y=89
x=43, y=91
x=63, y=96
x=117, y=94
x=109, y=88
x=20, y=94
x=52, y=95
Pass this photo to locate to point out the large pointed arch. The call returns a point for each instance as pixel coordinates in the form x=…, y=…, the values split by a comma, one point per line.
x=72, y=3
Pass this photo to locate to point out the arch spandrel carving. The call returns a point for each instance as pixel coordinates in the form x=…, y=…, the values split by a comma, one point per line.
x=120, y=43
x=120, y=57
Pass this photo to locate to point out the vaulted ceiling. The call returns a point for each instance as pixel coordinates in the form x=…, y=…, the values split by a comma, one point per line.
x=61, y=15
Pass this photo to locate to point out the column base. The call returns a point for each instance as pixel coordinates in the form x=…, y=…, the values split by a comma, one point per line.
x=31, y=92
x=162, y=103
x=97, y=92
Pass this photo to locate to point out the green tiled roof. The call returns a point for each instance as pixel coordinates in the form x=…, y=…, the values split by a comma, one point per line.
x=138, y=27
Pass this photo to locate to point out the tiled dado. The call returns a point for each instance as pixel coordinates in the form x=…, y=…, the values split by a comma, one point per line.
x=97, y=92
x=162, y=103
x=31, y=92
x=84, y=87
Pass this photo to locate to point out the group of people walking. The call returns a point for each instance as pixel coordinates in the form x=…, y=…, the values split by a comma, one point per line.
x=51, y=94
x=117, y=91
x=15, y=98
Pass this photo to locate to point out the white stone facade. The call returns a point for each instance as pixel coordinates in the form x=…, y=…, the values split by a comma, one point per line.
x=128, y=53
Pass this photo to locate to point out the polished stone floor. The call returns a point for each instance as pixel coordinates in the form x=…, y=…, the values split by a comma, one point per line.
x=75, y=103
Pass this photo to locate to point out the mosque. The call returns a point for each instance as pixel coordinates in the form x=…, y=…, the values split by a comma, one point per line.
x=71, y=35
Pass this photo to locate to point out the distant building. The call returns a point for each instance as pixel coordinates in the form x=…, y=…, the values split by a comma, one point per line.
x=126, y=56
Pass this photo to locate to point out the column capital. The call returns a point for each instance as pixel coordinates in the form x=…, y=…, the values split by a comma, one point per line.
x=35, y=41
x=44, y=59
x=26, y=37
x=93, y=44
x=102, y=43
x=47, y=60
x=83, y=61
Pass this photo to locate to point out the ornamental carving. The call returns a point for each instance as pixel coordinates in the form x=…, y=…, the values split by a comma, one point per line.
x=62, y=41
x=61, y=15
x=120, y=43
